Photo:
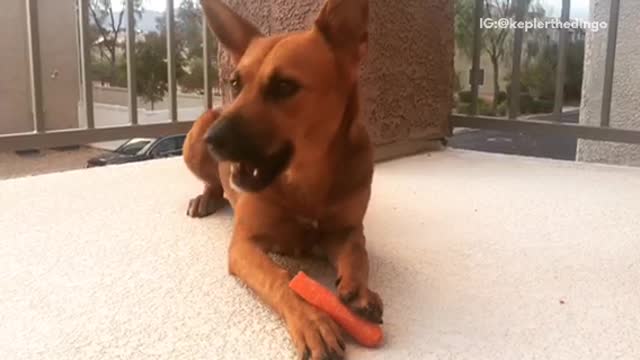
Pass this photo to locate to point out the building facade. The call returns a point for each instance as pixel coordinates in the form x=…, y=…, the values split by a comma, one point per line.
x=58, y=66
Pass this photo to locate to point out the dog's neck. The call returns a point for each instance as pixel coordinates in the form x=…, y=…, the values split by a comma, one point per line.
x=305, y=181
x=341, y=144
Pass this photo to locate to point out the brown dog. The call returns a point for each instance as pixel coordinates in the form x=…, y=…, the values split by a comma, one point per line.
x=292, y=157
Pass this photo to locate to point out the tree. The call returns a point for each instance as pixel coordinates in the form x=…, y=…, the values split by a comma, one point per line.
x=575, y=68
x=464, y=26
x=539, y=76
x=151, y=68
x=189, y=43
x=189, y=28
x=535, y=38
x=109, y=25
x=193, y=81
x=495, y=41
x=101, y=71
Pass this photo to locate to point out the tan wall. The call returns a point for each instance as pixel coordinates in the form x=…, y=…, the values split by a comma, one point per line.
x=58, y=50
x=14, y=73
x=407, y=80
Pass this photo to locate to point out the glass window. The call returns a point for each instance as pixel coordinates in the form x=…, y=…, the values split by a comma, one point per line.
x=133, y=146
x=166, y=147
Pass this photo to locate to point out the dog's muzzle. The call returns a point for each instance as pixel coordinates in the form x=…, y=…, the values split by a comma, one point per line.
x=252, y=168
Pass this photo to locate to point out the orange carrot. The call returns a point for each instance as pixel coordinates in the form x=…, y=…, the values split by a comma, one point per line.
x=362, y=331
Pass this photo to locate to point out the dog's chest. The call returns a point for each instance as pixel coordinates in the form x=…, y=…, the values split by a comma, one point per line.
x=306, y=200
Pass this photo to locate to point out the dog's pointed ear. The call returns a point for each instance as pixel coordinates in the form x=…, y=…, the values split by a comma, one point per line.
x=345, y=23
x=234, y=32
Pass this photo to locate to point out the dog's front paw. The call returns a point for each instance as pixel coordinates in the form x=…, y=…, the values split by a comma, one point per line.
x=315, y=335
x=360, y=299
x=204, y=205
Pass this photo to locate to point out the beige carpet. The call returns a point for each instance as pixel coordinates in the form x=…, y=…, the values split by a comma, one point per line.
x=477, y=257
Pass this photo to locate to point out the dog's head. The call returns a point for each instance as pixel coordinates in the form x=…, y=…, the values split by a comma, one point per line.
x=290, y=91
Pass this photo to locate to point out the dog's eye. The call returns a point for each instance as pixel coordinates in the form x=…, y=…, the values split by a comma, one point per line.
x=236, y=86
x=281, y=89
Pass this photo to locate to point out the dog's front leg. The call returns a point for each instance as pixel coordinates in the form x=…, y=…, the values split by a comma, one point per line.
x=314, y=334
x=347, y=252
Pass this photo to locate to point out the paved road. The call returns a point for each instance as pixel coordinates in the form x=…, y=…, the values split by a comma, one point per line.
x=548, y=146
x=44, y=162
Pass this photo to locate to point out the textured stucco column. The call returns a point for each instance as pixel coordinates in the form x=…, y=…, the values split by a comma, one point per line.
x=407, y=79
x=625, y=106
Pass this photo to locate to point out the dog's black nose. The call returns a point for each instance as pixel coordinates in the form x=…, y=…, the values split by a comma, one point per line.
x=220, y=136
x=230, y=142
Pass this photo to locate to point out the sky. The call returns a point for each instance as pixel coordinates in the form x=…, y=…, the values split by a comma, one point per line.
x=579, y=8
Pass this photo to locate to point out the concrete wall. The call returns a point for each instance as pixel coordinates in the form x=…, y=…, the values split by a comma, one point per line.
x=59, y=66
x=625, y=109
x=408, y=78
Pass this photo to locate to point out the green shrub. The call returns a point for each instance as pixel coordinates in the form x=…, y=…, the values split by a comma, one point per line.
x=502, y=97
x=526, y=103
x=541, y=107
x=463, y=108
x=464, y=96
x=485, y=108
x=101, y=71
x=502, y=109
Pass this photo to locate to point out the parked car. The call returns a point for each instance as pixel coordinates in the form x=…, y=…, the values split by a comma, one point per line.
x=140, y=149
